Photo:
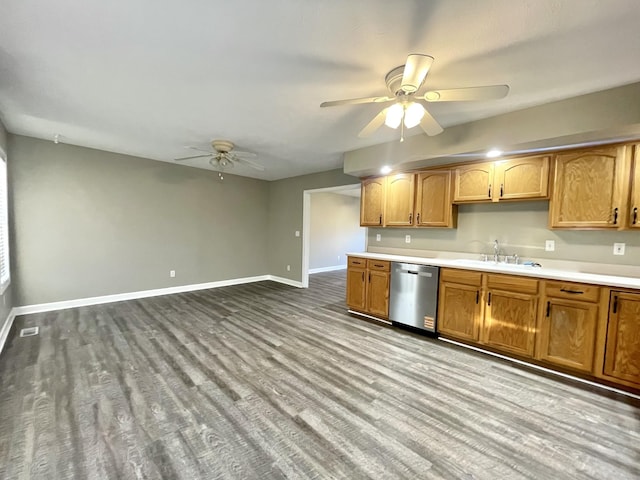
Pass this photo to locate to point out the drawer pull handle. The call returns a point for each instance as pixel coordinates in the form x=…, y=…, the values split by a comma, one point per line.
x=378, y=265
x=566, y=290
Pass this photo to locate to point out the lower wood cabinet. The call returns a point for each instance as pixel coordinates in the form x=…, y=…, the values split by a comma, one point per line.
x=368, y=286
x=622, y=353
x=459, y=304
x=567, y=325
x=510, y=313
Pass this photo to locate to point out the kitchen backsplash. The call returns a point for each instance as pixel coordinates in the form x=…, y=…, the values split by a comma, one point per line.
x=520, y=228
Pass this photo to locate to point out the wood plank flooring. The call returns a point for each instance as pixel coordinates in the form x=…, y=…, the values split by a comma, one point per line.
x=266, y=381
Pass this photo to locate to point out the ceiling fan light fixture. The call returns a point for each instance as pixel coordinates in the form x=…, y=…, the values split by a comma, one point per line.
x=394, y=115
x=413, y=114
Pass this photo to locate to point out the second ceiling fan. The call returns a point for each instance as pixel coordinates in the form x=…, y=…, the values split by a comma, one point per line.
x=409, y=108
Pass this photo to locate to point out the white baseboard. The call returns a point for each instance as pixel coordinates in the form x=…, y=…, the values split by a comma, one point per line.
x=83, y=302
x=286, y=281
x=327, y=269
x=6, y=327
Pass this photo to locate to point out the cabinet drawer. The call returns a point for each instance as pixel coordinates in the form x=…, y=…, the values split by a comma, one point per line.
x=380, y=265
x=357, y=262
x=465, y=277
x=512, y=283
x=573, y=291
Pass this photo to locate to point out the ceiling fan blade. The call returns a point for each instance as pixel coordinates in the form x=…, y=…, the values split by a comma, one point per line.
x=199, y=149
x=415, y=71
x=374, y=124
x=491, y=92
x=430, y=125
x=239, y=153
x=248, y=163
x=357, y=101
x=189, y=158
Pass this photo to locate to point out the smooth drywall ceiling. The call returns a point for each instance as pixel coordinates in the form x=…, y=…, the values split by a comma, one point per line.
x=520, y=228
x=334, y=229
x=285, y=218
x=89, y=223
x=603, y=116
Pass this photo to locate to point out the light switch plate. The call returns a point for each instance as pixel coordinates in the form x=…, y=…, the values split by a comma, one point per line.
x=297, y=233
x=549, y=246
x=407, y=239
x=378, y=237
x=618, y=248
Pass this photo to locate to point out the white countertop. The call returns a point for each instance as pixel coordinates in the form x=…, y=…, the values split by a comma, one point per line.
x=523, y=270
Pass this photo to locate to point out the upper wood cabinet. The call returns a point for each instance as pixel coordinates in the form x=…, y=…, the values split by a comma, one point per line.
x=590, y=188
x=399, y=200
x=520, y=178
x=473, y=183
x=433, y=207
x=372, y=202
x=622, y=354
x=510, y=179
x=634, y=203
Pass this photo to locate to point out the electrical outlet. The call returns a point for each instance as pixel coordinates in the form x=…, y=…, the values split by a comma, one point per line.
x=618, y=248
x=297, y=233
x=288, y=268
x=407, y=239
x=172, y=273
x=549, y=246
x=338, y=257
x=378, y=237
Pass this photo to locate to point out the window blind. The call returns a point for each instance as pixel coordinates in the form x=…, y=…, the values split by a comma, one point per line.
x=4, y=228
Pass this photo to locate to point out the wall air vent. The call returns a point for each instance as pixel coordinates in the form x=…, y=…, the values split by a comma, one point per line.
x=29, y=332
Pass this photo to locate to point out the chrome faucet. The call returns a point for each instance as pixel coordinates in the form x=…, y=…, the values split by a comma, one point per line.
x=496, y=250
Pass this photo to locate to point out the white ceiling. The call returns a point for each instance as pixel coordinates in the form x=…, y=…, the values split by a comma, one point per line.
x=149, y=77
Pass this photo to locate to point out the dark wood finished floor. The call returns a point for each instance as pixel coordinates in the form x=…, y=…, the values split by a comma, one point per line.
x=265, y=381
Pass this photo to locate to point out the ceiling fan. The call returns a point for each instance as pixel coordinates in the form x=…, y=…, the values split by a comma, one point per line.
x=223, y=156
x=409, y=108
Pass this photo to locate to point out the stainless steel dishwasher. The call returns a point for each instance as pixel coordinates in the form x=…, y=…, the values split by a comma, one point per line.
x=413, y=299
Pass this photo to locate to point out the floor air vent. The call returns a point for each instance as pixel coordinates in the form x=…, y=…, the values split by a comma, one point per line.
x=29, y=332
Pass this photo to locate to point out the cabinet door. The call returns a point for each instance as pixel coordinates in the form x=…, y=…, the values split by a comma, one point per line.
x=399, y=200
x=509, y=321
x=526, y=177
x=372, y=202
x=622, y=354
x=378, y=294
x=634, y=204
x=433, y=200
x=473, y=183
x=356, y=288
x=459, y=311
x=567, y=333
x=588, y=189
